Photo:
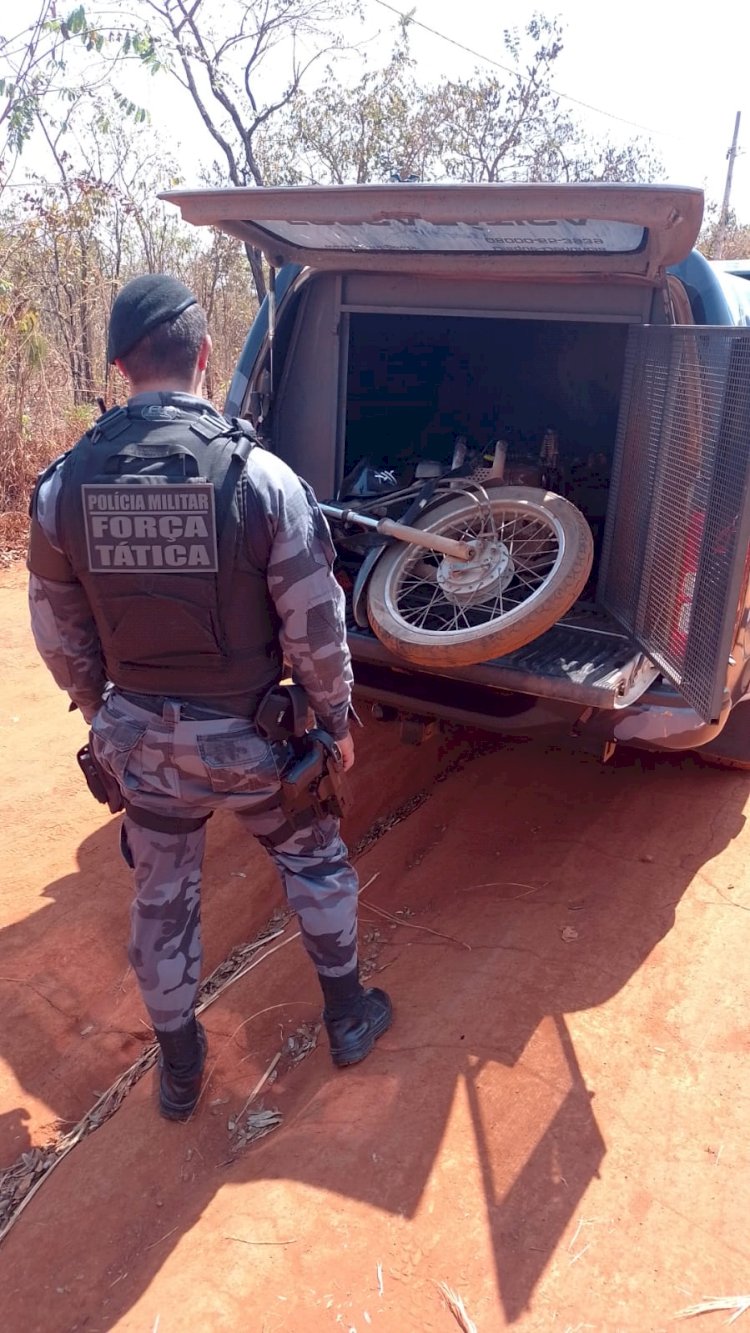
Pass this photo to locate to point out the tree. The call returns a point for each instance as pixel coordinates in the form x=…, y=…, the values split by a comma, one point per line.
x=66, y=247
x=53, y=62
x=28, y=361
x=491, y=128
x=219, y=61
x=380, y=129
x=485, y=128
x=736, y=238
x=27, y=68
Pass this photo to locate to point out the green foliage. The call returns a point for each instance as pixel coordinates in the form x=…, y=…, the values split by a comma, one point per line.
x=75, y=24
x=42, y=72
x=21, y=105
x=94, y=37
x=138, y=114
x=79, y=418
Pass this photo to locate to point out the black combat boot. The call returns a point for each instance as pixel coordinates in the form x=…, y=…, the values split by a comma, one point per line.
x=354, y=1017
x=183, y=1055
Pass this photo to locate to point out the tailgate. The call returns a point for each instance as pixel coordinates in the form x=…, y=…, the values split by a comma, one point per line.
x=585, y=659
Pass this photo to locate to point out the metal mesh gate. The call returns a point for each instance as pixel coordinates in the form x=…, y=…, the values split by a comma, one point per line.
x=675, y=549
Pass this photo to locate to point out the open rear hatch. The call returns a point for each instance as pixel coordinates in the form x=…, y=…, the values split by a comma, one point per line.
x=675, y=551
x=574, y=230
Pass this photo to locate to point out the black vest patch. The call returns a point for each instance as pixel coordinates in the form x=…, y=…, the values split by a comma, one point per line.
x=165, y=528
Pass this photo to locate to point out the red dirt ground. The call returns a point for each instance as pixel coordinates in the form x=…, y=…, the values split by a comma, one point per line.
x=556, y=1125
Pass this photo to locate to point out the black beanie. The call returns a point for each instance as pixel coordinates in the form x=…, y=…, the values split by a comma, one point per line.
x=143, y=304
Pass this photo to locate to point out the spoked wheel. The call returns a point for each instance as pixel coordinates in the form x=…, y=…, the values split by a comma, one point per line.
x=532, y=553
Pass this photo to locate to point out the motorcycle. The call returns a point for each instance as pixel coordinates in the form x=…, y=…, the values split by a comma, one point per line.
x=463, y=567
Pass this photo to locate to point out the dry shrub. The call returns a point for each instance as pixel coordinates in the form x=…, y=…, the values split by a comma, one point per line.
x=14, y=535
x=28, y=442
x=50, y=373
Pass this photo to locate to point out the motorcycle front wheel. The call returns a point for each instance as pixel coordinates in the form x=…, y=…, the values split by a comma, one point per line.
x=532, y=553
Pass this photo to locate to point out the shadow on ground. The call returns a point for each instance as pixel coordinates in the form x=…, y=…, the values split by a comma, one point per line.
x=507, y=857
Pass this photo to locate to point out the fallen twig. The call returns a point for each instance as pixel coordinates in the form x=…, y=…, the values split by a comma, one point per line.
x=106, y=1104
x=109, y=1101
x=742, y=906
x=412, y=926
x=223, y=976
x=740, y=1304
x=159, y=1241
x=580, y=1253
x=509, y=884
x=258, y=1014
x=242, y=1241
x=457, y=1308
x=242, y=971
x=263, y=1079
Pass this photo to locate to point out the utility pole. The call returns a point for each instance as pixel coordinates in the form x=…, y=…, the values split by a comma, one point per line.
x=721, y=227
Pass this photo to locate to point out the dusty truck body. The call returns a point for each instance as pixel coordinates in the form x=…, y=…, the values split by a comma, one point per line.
x=405, y=317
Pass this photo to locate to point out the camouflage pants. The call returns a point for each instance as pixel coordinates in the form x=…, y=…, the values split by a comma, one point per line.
x=174, y=767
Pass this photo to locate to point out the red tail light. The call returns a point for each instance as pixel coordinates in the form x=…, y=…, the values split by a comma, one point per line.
x=686, y=585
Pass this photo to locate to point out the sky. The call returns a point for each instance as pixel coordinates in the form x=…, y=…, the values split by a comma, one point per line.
x=644, y=64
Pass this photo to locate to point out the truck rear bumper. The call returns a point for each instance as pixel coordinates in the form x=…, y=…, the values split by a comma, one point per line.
x=666, y=726
x=659, y=720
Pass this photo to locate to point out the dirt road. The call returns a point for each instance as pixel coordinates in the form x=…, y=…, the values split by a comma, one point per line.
x=556, y=1126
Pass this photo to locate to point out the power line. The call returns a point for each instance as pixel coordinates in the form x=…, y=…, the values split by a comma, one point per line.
x=507, y=69
x=31, y=185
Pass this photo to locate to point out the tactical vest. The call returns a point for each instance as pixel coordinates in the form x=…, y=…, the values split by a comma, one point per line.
x=150, y=517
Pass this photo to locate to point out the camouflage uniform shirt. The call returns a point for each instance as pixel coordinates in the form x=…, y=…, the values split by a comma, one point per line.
x=296, y=545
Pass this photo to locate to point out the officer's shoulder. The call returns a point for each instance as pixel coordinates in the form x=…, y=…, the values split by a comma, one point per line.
x=110, y=422
x=46, y=480
x=54, y=467
x=269, y=471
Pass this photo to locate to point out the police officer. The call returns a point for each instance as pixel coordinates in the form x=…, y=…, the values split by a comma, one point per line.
x=175, y=566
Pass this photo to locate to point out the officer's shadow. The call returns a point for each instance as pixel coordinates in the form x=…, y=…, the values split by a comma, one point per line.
x=71, y=1018
x=480, y=1056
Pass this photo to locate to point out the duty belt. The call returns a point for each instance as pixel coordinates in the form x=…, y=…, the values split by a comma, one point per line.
x=190, y=712
x=312, y=781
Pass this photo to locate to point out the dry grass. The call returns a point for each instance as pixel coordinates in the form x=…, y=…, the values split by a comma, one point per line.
x=20, y=1182
x=26, y=447
x=14, y=536
x=400, y=921
x=737, y=1304
x=457, y=1308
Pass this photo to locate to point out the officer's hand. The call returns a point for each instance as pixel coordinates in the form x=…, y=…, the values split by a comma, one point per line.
x=346, y=746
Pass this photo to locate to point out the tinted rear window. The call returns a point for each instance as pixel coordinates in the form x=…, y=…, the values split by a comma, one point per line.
x=561, y=236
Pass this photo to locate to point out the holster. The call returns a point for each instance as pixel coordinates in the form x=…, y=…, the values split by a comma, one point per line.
x=282, y=713
x=100, y=783
x=314, y=781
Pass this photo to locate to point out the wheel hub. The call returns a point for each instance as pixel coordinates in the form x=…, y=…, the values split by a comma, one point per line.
x=489, y=572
